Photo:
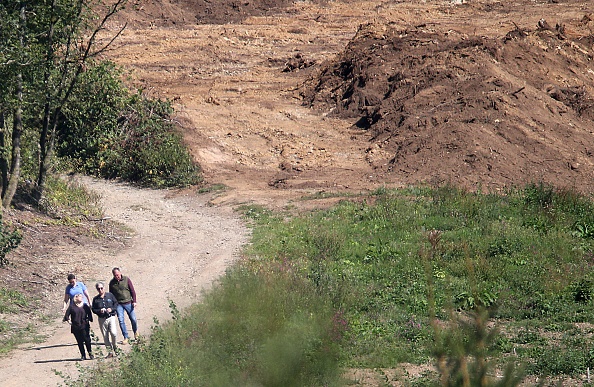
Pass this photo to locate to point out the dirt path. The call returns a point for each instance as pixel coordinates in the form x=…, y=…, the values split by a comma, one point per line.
x=180, y=246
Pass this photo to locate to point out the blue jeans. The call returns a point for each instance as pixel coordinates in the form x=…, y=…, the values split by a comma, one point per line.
x=130, y=311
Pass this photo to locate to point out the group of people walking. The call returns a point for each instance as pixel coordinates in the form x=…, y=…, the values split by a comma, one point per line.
x=109, y=306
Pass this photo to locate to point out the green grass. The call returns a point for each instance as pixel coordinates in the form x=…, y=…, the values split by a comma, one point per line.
x=521, y=254
x=249, y=331
x=212, y=188
x=13, y=302
x=70, y=202
x=418, y=276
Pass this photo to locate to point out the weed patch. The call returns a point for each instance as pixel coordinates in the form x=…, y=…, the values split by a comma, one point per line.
x=466, y=279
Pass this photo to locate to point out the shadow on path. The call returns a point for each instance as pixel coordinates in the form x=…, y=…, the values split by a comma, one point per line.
x=49, y=347
x=57, y=360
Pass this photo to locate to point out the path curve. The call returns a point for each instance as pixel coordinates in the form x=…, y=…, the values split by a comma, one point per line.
x=180, y=246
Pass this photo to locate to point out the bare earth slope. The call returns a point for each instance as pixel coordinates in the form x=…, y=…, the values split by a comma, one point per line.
x=478, y=111
x=352, y=95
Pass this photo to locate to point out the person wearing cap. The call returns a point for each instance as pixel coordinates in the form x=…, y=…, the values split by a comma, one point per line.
x=105, y=307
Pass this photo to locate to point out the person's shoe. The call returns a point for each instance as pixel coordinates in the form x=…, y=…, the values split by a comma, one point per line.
x=109, y=355
x=136, y=336
x=125, y=341
x=83, y=357
x=91, y=357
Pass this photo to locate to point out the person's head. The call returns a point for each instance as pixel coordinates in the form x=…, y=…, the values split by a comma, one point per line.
x=77, y=298
x=72, y=279
x=100, y=287
x=117, y=274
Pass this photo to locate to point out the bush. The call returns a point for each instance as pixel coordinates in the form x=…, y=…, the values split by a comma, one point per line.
x=109, y=131
x=9, y=240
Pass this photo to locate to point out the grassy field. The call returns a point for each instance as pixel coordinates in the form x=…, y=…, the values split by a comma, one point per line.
x=473, y=283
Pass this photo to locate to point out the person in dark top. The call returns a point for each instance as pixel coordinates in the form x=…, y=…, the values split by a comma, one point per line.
x=79, y=314
x=105, y=306
x=123, y=290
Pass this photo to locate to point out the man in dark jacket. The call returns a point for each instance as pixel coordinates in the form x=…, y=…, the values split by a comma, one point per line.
x=123, y=290
x=105, y=307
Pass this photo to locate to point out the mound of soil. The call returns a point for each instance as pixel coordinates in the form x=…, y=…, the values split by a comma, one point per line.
x=477, y=111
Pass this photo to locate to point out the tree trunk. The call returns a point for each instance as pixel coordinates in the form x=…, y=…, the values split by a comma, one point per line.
x=15, y=165
x=71, y=68
x=17, y=127
x=3, y=154
x=47, y=113
x=46, y=143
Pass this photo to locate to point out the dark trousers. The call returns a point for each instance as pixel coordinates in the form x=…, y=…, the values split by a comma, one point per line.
x=83, y=338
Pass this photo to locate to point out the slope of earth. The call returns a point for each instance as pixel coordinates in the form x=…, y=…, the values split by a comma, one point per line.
x=474, y=110
x=141, y=13
x=354, y=95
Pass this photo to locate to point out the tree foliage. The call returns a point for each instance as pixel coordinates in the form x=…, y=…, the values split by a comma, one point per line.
x=57, y=98
x=46, y=45
x=57, y=94
x=112, y=132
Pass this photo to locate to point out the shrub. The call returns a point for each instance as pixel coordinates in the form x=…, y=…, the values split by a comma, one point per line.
x=111, y=132
x=9, y=240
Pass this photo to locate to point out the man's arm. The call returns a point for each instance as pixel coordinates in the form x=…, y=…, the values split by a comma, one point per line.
x=66, y=301
x=87, y=295
x=96, y=308
x=132, y=291
x=114, y=300
x=85, y=292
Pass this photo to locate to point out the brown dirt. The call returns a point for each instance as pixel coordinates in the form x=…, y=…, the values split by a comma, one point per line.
x=284, y=99
x=352, y=95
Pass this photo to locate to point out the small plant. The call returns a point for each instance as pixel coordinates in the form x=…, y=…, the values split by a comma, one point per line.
x=582, y=291
x=584, y=231
x=466, y=301
x=9, y=240
x=175, y=313
x=412, y=330
x=539, y=194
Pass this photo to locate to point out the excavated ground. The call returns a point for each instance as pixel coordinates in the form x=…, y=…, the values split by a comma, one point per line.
x=351, y=95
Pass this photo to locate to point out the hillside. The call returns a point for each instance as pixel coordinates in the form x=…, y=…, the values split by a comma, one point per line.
x=307, y=96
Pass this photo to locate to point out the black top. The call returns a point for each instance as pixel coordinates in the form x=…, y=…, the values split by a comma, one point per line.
x=108, y=301
x=79, y=317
